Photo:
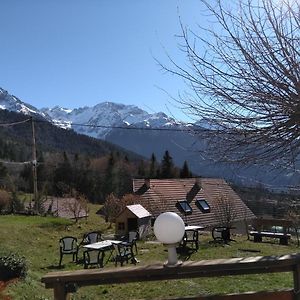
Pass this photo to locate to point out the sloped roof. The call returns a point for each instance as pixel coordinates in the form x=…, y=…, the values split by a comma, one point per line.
x=138, y=210
x=62, y=207
x=161, y=195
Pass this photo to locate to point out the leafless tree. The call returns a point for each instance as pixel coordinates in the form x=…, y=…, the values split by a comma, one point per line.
x=244, y=77
x=225, y=210
x=78, y=207
x=113, y=206
x=293, y=215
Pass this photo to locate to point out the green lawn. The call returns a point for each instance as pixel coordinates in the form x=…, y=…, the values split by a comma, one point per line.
x=36, y=238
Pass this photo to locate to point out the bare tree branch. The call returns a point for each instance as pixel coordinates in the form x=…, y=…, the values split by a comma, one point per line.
x=245, y=80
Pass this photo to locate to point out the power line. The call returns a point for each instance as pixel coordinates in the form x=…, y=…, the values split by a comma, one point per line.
x=112, y=127
x=128, y=128
x=16, y=162
x=14, y=123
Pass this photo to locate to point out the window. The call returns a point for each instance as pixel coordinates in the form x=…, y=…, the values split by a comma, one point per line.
x=121, y=226
x=185, y=207
x=203, y=205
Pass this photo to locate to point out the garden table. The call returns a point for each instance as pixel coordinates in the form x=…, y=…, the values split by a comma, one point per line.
x=103, y=246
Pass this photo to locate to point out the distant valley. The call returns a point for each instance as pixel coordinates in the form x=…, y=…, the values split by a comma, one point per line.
x=105, y=120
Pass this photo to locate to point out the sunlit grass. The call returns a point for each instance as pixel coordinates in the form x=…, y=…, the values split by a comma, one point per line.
x=37, y=238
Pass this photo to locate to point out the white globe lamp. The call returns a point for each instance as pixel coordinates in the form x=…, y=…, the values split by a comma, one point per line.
x=169, y=229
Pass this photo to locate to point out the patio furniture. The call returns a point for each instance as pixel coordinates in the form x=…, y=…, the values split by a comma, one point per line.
x=91, y=237
x=103, y=246
x=271, y=228
x=222, y=234
x=123, y=253
x=191, y=236
x=131, y=240
x=68, y=246
x=93, y=257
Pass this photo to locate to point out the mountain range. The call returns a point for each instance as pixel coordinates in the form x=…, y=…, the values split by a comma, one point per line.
x=146, y=133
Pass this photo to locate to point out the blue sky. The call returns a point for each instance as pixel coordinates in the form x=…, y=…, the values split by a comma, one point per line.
x=74, y=53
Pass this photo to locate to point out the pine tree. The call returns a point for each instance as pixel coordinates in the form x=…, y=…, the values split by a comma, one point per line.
x=167, y=166
x=141, y=169
x=108, y=184
x=185, y=172
x=63, y=176
x=152, y=168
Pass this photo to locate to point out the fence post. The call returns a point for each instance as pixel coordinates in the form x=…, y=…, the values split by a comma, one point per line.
x=60, y=292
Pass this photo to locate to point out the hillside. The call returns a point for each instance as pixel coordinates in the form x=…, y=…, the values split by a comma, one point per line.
x=135, y=130
x=49, y=138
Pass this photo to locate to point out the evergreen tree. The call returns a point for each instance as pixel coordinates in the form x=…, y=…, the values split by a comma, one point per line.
x=141, y=169
x=152, y=168
x=167, y=166
x=108, y=184
x=3, y=171
x=185, y=172
x=63, y=177
x=26, y=175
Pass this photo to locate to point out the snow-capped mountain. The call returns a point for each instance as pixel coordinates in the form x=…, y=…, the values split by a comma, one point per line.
x=106, y=119
x=12, y=103
x=100, y=119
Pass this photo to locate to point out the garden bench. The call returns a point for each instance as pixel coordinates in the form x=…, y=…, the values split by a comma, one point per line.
x=271, y=228
x=258, y=235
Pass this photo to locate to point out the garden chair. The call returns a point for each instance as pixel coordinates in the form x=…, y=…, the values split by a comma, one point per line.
x=93, y=257
x=222, y=234
x=91, y=237
x=68, y=246
x=123, y=253
x=191, y=237
x=131, y=240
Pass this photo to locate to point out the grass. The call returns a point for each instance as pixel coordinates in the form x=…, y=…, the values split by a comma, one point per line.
x=36, y=238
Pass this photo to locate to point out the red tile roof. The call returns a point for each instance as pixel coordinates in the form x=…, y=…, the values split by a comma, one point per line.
x=161, y=195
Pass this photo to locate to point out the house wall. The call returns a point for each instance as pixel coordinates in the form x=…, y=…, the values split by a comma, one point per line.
x=122, y=218
x=144, y=224
x=144, y=227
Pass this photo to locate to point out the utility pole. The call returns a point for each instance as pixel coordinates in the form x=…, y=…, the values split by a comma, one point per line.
x=34, y=168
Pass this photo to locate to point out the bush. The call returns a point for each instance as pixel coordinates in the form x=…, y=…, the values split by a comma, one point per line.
x=4, y=200
x=12, y=266
x=16, y=205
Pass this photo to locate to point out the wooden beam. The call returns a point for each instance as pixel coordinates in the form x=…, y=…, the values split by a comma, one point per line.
x=205, y=268
x=60, y=292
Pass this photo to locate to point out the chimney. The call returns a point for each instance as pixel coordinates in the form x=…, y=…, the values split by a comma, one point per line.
x=144, y=188
x=147, y=183
x=194, y=190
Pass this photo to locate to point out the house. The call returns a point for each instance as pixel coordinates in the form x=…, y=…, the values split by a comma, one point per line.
x=133, y=218
x=199, y=201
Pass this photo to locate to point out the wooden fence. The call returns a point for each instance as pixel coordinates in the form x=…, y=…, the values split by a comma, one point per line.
x=66, y=282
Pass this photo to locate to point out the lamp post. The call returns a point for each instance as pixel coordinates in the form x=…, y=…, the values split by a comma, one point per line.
x=169, y=229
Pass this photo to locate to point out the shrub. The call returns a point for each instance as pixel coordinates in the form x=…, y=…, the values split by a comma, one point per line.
x=4, y=200
x=16, y=205
x=12, y=266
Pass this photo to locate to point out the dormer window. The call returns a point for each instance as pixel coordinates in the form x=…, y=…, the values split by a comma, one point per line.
x=184, y=207
x=203, y=205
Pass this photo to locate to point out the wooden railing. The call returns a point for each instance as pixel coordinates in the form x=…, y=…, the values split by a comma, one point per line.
x=66, y=282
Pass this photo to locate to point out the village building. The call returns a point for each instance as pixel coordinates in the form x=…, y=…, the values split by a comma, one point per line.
x=207, y=202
